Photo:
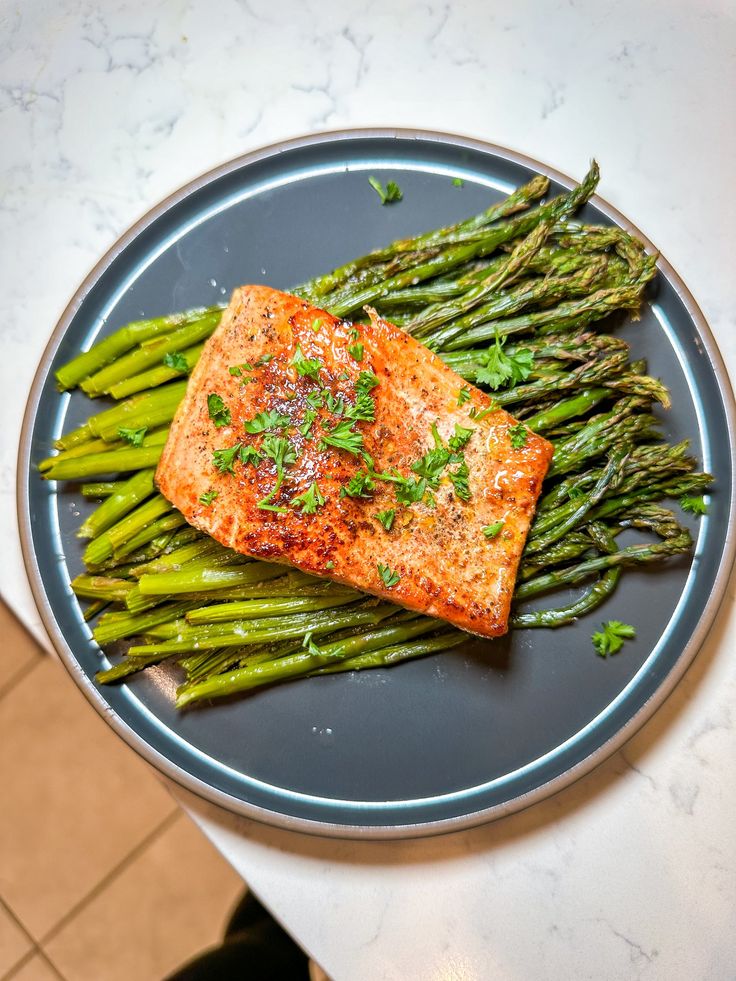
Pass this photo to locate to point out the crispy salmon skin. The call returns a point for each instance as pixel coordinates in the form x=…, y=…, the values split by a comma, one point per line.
x=349, y=452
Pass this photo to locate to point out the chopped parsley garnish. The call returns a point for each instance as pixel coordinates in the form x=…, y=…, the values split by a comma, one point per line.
x=366, y=381
x=356, y=351
x=249, y=454
x=490, y=531
x=268, y=419
x=696, y=505
x=224, y=460
x=316, y=399
x=457, y=182
x=238, y=369
x=392, y=191
x=354, y=334
x=309, y=418
x=459, y=480
x=335, y=403
x=477, y=415
x=219, y=412
x=390, y=578
x=361, y=484
x=208, y=497
x=386, y=518
x=409, y=490
x=264, y=359
x=463, y=395
x=329, y=565
x=501, y=367
x=432, y=465
x=460, y=439
x=610, y=639
x=316, y=324
x=280, y=450
x=343, y=437
x=133, y=436
x=306, y=367
x=177, y=362
x=518, y=435
x=310, y=500
x=364, y=409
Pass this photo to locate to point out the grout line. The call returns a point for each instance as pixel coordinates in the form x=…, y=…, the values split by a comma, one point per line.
x=110, y=876
x=19, y=675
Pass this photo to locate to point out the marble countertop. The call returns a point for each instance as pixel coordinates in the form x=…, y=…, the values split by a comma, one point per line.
x=105, y=108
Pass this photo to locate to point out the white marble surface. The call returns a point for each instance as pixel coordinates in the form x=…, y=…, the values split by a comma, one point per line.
x=107, y=106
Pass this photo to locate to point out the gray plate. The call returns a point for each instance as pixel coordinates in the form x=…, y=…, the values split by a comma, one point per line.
x=437, y=744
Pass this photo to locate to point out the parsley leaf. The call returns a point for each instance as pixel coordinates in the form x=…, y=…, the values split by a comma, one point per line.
x=249, y=454
x=696, y=505
x=306, y=367
x=457, y=182
x=309, y=418
x=460, y=439
x=310, y=500
x=366, y=381
x=611, y=638
x=501, y=367
x=177, y=362
x=238, y=369
x=224, y=460
x=316, y=399
x=268, y=419
x=463, y=395
x=432, y=464
x=329, y=565
x=518, y=435
x=477, y=415
x=335, y=403
x=390, y=578
x=219, y=412
x=409, y=490
x=386, y=518
x=490, y=531
x=392, y=191
x=361, y=484
x=316, y=324
x=278, y=449
x=133, y=436
x=356, y=351
x=459, y=480
x=343, y=437
x=208, y=497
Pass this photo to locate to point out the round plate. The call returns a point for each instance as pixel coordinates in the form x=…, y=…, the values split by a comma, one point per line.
x=436, y=744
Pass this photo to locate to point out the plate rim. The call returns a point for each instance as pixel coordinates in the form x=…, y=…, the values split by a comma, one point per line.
x=307, y=825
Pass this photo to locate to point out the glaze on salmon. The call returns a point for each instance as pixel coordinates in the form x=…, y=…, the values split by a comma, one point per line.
x=281, y=400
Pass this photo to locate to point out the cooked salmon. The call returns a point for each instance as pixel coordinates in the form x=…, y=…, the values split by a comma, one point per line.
x=353, y=452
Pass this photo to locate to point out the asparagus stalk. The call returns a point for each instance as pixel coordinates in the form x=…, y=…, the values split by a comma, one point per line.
x=156, y=376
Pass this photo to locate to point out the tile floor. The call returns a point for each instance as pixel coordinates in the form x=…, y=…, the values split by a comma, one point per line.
x=102, y=876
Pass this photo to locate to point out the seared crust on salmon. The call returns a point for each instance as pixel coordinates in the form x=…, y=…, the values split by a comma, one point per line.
x=347, y=451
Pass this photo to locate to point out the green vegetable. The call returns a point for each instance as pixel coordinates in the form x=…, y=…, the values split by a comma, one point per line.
x=461, y=438
x=386, y=518
x=459, y=478
x=356, y=351
x=388, y=577
x=696, y=505
x=392, y=191
x=361, y=484
x=224, y=460
x=457, y=182
x=132, y=436
x=518, y=435
x=268, y=419
x=463, y=395
x=502, y=368
x=610, y=639
x=177, y=362
x=343, y=437
x=310, y=500
x=490, y=531
x=219, y=412
x=208, y=497
x=306, y=367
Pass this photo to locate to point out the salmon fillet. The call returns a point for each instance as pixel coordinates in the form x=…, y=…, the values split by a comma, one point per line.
x=348, y=451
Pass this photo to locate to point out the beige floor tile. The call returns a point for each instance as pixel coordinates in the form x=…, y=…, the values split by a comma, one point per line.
x=173, y=898
x=35, y=969
x=14, y=942
x=76, y=800
x=17, y=647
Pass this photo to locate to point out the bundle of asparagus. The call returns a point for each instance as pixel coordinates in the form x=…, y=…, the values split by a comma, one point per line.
x=511, y=299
